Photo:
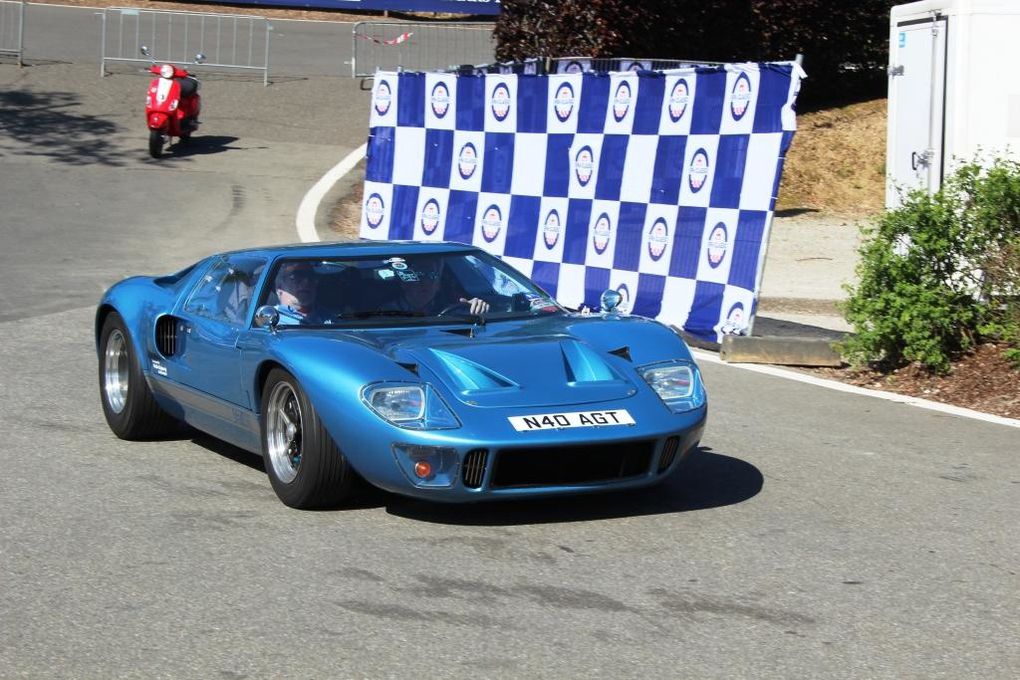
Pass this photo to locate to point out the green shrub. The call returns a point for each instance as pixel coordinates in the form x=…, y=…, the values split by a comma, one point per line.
x=940, y=273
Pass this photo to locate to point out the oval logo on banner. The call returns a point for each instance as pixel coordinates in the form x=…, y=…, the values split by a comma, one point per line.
x=602, y=232
x=740, y=97
x=574, y=67
x=383, y=97
x=621, y=101
x=551, y=229
x=658, y=239
x=492, y=223
x=679, y=96
x=430, y=216
x=636, y=66
x=440, y=99
x=699, y=170
x=500, y=102
x=467, y=160
x=563, y=102
x=374, y=210
x=717, y=245
x=734, y=320
x=584, y=165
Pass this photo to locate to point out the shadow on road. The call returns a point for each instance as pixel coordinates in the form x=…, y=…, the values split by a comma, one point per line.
x=46, y=124
x=201, y=146
x=706, y=480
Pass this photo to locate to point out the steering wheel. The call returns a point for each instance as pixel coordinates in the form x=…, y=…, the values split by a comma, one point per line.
x=452, y=306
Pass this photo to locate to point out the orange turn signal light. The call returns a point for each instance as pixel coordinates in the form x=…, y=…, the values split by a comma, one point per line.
x=423, y=469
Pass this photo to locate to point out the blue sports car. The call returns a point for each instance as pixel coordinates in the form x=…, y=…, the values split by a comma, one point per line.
x=427, y=369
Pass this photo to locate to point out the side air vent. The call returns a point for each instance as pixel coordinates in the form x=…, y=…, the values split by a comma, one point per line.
x=474, y=467
x=668, y=453
x=166, y=335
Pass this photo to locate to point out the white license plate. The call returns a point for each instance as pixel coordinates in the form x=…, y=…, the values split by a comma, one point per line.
x=557, y=421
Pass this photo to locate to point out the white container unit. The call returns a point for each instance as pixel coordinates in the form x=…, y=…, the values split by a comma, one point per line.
x=954, y=89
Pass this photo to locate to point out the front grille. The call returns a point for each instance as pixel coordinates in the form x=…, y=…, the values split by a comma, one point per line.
x=474, y=468
x=669, y=450
x=166, y=335
x=566, y=465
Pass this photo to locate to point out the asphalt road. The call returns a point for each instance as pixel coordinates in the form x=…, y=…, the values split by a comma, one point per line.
x=816, y=534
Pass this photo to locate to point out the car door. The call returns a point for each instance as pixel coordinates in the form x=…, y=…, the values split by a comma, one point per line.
x=214, y=316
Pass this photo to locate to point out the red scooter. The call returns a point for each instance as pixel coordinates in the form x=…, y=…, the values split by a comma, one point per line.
x=172, y=104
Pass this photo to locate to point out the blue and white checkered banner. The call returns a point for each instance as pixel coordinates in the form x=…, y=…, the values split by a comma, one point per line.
x=659, y=184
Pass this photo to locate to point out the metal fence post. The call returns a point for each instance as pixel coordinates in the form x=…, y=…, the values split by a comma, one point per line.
x=102, y=49
x=21, y=34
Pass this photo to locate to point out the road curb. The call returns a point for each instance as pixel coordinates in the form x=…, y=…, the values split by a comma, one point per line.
x=784, y=351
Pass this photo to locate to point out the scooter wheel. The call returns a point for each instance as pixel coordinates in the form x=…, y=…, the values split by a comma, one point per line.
x=155, y=143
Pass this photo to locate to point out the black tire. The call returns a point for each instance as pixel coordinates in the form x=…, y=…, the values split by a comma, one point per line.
x=155, y=143
x=130, y=409
x=321, y=477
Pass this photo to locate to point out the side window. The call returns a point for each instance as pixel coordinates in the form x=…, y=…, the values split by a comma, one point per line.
x=225, y=292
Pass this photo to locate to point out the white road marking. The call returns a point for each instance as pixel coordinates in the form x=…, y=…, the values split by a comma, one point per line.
x=310, y=203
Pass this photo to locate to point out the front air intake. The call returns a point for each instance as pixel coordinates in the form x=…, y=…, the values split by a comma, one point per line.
x=166, y=335
x=474, y=468
x=669, y=450
x=537, y=466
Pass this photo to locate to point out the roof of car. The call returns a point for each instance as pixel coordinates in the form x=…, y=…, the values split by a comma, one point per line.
x=362, y=247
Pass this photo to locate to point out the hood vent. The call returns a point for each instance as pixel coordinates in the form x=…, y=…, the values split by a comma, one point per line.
x=471, y=376
x=583, y=365
x=410, y=366
x=622, y=352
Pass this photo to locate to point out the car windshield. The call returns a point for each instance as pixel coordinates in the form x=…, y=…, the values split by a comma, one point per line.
x=410, y=288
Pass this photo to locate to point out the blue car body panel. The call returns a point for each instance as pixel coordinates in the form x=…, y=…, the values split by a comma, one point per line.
x=563, y=362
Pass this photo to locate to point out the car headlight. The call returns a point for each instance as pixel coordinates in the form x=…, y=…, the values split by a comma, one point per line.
x=677, y=384
x=414, y=406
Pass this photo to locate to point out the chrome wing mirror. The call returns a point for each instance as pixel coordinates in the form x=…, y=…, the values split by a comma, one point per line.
x=267, y=316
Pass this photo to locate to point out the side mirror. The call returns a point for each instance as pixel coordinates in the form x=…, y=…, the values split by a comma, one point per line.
x=266, y=316
x=144, y=50
x=199, y=58
x=610, y=301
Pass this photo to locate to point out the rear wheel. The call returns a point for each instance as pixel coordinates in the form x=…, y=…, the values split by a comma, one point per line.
x=305, y=466
x=155, y=143
x=128, y=404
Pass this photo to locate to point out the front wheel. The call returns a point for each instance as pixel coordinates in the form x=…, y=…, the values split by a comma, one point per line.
x=128, y=404
x=155, y=143
x=305, y=466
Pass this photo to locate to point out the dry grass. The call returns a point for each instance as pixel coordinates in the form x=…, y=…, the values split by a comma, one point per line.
x=836, y=164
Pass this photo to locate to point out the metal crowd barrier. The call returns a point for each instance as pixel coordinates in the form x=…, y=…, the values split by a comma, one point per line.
x=12, y=29
x=419, y=46
x=228, y=41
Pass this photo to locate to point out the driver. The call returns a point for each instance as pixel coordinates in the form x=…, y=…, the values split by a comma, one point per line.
x=419, y=292
x=296, y=291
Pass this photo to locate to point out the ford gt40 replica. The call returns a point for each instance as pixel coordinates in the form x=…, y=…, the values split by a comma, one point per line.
x=432, y=370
